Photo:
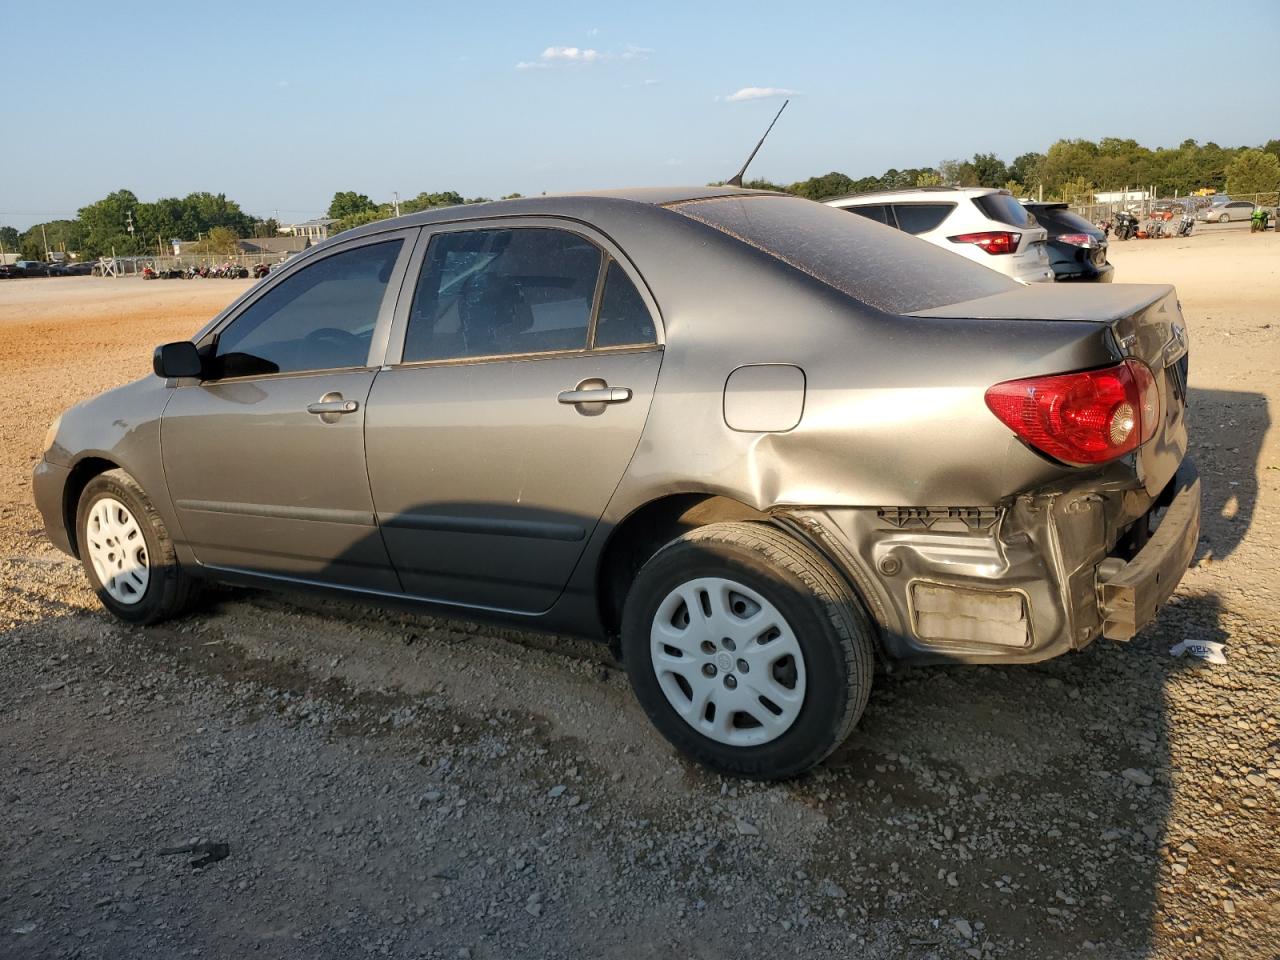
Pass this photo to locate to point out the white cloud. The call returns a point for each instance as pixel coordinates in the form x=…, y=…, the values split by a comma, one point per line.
x=581, y=56
x=757, y=93
x=571, y=54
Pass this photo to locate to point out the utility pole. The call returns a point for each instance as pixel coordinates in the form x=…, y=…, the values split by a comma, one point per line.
x=397, y=196
x=45, y=238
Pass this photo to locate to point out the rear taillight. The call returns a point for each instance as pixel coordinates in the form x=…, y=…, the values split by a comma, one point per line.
x=1088, y=417
x=992, y=241
x=1077, y=239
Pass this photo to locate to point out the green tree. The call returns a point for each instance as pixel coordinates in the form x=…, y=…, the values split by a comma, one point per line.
x=1078, y=190
x=345, y=203
x=829, y=185
x=989, y=169
x=105, y=225
x=220, y=241
x=929, y=178
x=1253, y=171
x=9, y=239
x=1014, y=187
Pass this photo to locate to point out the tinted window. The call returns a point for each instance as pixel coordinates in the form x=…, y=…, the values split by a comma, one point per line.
x=624, y=319
x=919, y=217
x=888, y=270
x=1060, y=220
x=496, y=292
x=320, y=318
x=872, y=211
x=1004, y=209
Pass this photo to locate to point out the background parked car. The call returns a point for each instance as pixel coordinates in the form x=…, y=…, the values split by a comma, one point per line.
x=83, y=268
x=30, y=268
x=1077, y=248
x=985, y=225
x=1226, y=211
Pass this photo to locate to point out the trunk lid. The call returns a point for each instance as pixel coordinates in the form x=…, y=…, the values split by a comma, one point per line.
x=1144, y=321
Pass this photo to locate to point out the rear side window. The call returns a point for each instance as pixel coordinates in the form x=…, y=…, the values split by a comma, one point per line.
x=873, y=211
x=489, y=293
x=624, y=319
x=319, y=318
x=1002, y=208
x=921, y=217
x=1070, y=222
x=888, y=270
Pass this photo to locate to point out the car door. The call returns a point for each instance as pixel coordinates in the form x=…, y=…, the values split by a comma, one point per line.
x=519, y=378
x=264, y=458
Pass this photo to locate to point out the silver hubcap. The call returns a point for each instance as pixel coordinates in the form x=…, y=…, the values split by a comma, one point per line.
x=117, y=550
x=727, y=662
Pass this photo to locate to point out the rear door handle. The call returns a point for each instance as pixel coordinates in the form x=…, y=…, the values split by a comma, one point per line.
x=332, y=406
x=596, y=395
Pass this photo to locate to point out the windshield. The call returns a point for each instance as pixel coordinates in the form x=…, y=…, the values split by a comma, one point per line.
x=882, y=267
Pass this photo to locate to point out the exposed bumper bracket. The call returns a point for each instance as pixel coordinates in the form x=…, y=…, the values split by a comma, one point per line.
x=1132, y=594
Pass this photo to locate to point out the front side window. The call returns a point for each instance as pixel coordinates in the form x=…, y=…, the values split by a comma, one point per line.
x=921, y=217
x=320, y=318
x=502, y=292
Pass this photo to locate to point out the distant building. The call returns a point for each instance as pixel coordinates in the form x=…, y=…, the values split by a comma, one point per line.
x=314, y=230
x=277, y=245
x=1121, y=196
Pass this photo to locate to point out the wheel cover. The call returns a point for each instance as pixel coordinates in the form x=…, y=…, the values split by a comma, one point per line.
x=118, y=550
x=727, y=661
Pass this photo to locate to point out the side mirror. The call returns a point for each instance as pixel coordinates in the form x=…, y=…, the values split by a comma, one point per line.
x=178, y=359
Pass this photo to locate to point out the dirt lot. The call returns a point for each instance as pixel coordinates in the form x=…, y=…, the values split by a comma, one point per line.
x=415, y=787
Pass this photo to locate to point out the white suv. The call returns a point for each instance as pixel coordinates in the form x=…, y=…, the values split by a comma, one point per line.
x=986, y=225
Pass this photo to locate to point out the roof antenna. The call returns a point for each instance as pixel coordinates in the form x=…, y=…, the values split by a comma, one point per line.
x=736, y=179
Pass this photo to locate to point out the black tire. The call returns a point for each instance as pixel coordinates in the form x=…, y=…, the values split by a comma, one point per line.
x=170, y=591
x=833, y=633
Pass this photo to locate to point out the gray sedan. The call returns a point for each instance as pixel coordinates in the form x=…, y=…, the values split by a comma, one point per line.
x=1225, y=212
x=754, y=442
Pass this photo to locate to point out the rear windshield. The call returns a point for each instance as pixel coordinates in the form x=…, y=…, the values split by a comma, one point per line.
x=1003, y=208
x=880, y=266
x=1062, y=220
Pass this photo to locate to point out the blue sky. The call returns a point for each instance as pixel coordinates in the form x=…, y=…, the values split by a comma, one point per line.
x=280, y=104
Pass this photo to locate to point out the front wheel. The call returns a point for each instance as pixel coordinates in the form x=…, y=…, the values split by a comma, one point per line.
x=127, y=553
x=1223, y=219
x=746, y=650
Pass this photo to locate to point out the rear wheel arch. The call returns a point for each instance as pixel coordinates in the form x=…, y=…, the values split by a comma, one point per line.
x=644, y=532
x=83, y=472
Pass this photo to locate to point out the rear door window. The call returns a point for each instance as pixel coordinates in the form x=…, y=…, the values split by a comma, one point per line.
x=493, y=293
x=1002, y=208
x=921, y=217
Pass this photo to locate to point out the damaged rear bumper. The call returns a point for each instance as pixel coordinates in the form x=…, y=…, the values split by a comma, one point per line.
x=1132, y=593
x=1023, y=582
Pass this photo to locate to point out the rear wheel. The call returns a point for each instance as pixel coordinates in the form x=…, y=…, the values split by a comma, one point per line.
x=1223, y=218
x=127, y=553
x=746, y=650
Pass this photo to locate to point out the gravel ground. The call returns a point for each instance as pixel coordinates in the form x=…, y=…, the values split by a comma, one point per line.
x=396, y=785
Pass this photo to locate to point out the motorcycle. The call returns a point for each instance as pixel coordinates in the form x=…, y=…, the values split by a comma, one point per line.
x=260, y=271
x=1185, y=225
x=1259, y=220
x=1126, y=226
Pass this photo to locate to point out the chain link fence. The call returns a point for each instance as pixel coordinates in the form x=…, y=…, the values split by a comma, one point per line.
x=135, y=266
x=1154, y=208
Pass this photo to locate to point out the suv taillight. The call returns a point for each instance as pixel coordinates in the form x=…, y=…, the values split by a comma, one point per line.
x=992, y=241
x=1088, y=417
x=1077, y=239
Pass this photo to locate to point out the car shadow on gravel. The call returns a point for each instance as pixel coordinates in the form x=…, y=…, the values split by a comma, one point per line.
x=1237, y=421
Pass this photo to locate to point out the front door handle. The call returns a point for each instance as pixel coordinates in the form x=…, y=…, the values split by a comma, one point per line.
x=596, y=395
x=332, y=406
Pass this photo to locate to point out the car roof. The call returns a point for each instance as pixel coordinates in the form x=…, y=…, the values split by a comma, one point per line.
x=909, y=194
